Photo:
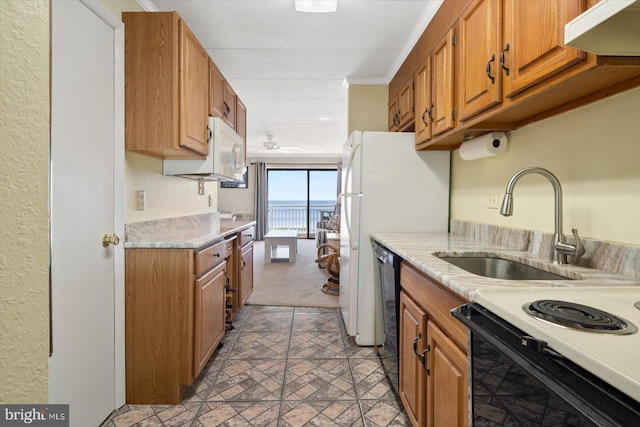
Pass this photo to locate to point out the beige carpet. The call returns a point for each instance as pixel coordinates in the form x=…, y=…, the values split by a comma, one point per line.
x=281, y=283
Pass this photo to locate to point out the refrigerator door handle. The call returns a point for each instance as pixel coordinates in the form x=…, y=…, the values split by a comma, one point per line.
x=353, y=245
x=348, y=172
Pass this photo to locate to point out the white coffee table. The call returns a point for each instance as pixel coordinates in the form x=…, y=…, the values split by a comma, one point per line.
x=276, y=238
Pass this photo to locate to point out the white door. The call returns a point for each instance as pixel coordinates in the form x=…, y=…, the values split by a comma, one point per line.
x=85, y=367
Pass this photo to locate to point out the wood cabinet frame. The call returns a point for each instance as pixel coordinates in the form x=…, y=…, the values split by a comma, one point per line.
x=433, y=380
x=175, y=313
x=165, y=88
x=544, y=79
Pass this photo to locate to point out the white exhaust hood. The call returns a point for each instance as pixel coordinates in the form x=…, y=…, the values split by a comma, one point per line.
x=224, y=162
x=609, y=28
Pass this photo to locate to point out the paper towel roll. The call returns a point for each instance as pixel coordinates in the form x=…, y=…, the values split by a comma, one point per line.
x=488, y=145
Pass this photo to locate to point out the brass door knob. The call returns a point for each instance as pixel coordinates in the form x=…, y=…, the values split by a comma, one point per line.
x=112, y=239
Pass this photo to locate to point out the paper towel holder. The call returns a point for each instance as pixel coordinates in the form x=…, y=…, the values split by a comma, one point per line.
x=485, y=145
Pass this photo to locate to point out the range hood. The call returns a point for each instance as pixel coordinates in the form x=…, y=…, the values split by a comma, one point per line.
x=223, y=163
x=609, y=28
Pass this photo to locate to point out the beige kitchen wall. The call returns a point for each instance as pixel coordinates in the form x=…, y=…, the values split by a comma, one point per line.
x=165, y=196
x=368, y=108
x=24, y=194
x=594, y=151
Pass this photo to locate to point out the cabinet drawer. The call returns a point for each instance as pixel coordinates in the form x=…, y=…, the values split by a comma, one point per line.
x=209, y=257
x=247, y=235
x=436, y=301
x=229, y=244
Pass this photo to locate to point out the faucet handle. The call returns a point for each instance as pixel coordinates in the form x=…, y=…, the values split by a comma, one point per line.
x=575, y=251
x=579, y=251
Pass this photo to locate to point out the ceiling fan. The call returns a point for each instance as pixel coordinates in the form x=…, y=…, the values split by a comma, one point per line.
x=271, y=145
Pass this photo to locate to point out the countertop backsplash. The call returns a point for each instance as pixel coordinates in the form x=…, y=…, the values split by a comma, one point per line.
x=612, y=257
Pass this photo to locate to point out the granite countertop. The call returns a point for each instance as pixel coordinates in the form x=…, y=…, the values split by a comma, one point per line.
x=187, y=232
x=419, y=248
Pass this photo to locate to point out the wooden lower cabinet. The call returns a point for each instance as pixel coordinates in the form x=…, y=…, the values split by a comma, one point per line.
x=246, y=272
x=210, y=315
x=433, y=382
x=413, y=377
x=174, y=319
x=447, y=383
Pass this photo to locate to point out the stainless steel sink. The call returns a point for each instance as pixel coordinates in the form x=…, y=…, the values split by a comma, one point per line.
x=500, y=268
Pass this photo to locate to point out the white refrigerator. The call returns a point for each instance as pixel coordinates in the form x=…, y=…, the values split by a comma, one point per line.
x=387, y=186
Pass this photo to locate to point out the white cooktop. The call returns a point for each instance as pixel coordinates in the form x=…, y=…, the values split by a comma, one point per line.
x=613, y=358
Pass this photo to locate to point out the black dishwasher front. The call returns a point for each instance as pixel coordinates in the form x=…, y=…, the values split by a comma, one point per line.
x=387, y=277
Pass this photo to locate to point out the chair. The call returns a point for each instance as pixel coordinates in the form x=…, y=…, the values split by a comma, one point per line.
x=331, y=258
x=324, y=227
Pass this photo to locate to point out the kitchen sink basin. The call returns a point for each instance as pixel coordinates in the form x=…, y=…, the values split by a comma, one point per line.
x=500, y=268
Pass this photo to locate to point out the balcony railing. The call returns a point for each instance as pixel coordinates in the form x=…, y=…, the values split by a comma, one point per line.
x=293, y=216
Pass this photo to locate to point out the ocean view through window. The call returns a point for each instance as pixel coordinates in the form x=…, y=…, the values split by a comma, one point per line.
x=299, y=198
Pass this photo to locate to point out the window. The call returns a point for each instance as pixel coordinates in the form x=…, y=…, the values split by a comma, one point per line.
x=299, y=198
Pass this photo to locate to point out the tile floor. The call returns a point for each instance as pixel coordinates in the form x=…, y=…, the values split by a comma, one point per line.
x=285, y=367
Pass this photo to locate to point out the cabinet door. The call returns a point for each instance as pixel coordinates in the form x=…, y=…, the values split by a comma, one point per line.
x=447, y=381
x=393, y=115
x=194, y=90
x=443, y=90
x=209, y=315
x=216, y=91
x=533, y=59
x=412, y=378
x=405, y=104
x=246, y=272
x=241, y=127
x=480, y=80
x=422, y=100
x=230, y=106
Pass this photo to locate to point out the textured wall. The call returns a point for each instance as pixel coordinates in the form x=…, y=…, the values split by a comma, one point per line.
x=595, y=153
x=24, y=185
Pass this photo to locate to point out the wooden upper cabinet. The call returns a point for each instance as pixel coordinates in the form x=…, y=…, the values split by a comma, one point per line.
x=422, y=101
x=443, y=84
x=241, y=126
x=230, y=99
x=393, y=115
x=480, y=82
x=405, y=104
x=401, y=108
x=216, y=91
x=222, y=98
x=533, y=42
x=165, y=87
x=194, y=85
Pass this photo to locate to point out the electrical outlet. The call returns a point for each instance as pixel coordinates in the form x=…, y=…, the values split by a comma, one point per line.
x=141, y=200
x=210, y=200
x=493, y=199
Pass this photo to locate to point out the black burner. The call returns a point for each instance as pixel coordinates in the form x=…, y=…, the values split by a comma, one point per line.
x=579, y=317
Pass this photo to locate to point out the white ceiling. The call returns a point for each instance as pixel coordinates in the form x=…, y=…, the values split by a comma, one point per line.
x=290, y=68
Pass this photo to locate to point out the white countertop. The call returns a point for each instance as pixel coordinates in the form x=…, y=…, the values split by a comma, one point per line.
x=182, y=232
x=613, y=358
x=419, y=249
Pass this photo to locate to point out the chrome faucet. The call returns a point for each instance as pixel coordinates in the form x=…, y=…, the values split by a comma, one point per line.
x=560, y=248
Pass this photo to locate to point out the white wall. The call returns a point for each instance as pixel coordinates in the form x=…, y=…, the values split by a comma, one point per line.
x=595, y=153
